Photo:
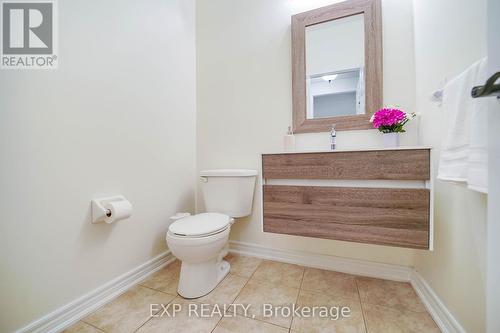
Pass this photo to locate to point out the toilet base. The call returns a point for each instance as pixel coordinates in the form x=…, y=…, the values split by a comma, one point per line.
x=199, y=279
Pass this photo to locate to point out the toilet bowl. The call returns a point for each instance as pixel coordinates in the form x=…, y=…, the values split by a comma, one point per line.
x=200, y=241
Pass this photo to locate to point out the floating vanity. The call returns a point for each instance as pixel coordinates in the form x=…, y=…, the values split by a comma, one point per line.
x=368, y=196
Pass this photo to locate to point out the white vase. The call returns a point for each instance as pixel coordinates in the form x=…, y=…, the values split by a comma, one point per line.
x=391, y=140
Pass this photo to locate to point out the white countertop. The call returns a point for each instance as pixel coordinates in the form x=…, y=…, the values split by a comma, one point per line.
x=347, y=150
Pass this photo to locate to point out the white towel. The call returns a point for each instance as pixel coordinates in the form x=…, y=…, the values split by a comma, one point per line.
x=464, y=151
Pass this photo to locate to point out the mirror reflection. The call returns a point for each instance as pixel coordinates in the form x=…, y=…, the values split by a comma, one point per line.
x=335, y=60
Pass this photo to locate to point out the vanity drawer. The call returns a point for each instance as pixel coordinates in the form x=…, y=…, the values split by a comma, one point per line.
x=366, y=165
x=386, y=216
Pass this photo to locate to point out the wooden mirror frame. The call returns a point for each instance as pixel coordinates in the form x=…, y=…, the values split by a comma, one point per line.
x=371, y=10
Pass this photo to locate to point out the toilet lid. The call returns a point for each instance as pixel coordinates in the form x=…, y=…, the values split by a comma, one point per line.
x=200, y=225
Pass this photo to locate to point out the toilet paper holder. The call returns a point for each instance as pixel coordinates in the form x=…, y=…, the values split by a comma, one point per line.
x=99, y=211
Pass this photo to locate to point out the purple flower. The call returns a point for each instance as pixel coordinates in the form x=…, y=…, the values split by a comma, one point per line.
x=388, y=120
x=388, y=117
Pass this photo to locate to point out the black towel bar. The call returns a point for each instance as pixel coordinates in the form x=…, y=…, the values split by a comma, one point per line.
x=489, y=89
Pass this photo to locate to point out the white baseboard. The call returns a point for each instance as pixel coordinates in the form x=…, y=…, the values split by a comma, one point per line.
x=69, y=314
x=436, y=308
x=333, y=263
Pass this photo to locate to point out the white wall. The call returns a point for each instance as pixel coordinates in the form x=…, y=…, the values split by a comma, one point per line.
x=444, y=48
x=118, y=116
x=244, y=101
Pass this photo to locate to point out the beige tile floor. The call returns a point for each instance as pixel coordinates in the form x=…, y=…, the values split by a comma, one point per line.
x=376, y=306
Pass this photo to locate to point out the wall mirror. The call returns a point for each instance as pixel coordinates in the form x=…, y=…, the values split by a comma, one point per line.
x=337, y=66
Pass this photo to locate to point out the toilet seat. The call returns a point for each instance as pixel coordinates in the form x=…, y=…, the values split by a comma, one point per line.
x=200, y=225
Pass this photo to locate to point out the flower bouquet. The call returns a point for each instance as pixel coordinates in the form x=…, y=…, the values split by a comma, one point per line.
x=391, y=121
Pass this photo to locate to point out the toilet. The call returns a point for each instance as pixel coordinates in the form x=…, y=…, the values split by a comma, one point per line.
x=200, y=241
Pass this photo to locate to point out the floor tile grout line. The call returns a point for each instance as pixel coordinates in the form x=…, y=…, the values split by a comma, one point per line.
x=158, y=290
x=357, y=288
x=138, y=328
x=232, y=302
x=302, y=279
x=258, y=280
x=361, y=305
x=145, y=286
x=94, y=326
x=364, y=318
x=249, y=278
x=261, y=321
x=223, y=315
x=218, y=322
x=151, y=317
x=112, y=300
x=252, y=318
x=298, y=295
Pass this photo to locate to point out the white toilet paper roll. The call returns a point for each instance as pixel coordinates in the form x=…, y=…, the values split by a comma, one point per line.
x=119, y=210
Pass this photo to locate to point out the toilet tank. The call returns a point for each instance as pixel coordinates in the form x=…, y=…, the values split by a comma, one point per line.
x=228, y=191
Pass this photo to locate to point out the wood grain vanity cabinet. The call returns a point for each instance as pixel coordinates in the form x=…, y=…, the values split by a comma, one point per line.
x=374, y=196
